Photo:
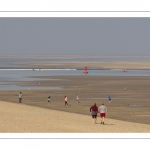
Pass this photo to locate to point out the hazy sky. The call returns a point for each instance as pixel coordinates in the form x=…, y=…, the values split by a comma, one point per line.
x=75, y=36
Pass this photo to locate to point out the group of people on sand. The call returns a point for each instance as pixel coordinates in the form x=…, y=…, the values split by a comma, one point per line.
x=65, y=99
x=49, y=99
x=102, y=110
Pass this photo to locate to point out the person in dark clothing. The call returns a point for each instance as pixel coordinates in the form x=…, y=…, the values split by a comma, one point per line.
x=94, y=111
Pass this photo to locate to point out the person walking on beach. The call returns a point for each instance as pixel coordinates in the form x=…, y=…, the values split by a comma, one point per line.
x=66, y=100
x=20, y=97
x=103, y=112
x=49, y=100
x=77, y=98
x=109, y=99
x=94, y=111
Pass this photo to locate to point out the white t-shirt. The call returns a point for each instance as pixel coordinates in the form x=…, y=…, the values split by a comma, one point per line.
x=102, y=109
x=20, y=95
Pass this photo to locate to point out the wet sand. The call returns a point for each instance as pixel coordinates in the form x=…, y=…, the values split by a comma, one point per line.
x=130, y=97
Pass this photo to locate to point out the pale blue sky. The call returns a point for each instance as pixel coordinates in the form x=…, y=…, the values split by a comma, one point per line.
x=75, y=36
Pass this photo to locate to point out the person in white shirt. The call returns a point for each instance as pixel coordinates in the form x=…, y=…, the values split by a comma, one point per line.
x=77, y=97
x=103, y=112
x=20, y=97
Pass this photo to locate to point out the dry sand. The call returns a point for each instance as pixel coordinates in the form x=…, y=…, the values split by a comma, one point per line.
x=91, y=65
x=22, y=118
x=80, y=61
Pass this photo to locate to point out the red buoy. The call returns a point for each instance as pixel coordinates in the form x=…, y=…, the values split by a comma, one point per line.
x=85, y=70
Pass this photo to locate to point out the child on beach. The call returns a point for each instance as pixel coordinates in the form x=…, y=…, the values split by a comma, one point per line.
x=109, y=99
x=49, y=99
x=77, y=98
x=66, y=100
x=20, y=97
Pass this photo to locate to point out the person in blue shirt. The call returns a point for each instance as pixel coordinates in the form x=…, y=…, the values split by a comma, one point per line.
x=109, y=99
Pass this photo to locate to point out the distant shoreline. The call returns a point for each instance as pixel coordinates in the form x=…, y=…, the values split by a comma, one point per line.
x=43, y=68
x=129, y=65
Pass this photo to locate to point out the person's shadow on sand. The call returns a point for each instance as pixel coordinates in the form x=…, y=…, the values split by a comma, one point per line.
x=106, y=124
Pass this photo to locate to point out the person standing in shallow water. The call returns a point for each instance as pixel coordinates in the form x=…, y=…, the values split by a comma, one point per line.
x=94, y=111
x=20, y=97
x=66, y=100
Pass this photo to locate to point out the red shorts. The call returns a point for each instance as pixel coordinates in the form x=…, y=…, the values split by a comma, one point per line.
x=102, y=115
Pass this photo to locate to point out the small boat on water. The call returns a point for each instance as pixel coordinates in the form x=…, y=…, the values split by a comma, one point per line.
x=40, y=70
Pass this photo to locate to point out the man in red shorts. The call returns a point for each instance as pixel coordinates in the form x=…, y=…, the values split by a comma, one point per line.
x=103, y=112
x=94, y=111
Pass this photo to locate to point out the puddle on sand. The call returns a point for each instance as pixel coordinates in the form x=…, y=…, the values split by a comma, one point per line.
x=135, y=105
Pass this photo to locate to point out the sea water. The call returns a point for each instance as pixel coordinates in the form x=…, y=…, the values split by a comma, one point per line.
x=9, y=77
x=17, y=73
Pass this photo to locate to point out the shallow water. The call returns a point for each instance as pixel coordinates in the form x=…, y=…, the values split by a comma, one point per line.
x=8, y=76
x=10, y=72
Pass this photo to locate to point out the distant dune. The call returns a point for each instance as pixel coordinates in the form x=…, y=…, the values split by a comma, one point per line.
x=98, y=65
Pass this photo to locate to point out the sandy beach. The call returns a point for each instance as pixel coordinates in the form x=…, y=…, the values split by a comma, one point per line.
x=79, y=61
x=91, y=65
x=20, y=118
x=129, y=111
